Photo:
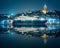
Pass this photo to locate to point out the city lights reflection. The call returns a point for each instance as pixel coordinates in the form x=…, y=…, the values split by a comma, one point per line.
x=44, y=24
x=45, y=32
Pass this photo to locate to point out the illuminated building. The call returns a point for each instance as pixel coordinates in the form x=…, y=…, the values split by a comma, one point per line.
x=44, y=9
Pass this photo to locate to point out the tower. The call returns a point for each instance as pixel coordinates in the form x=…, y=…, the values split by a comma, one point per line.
x=44, y=9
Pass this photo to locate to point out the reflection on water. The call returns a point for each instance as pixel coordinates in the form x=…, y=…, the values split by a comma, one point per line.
x=46, y=31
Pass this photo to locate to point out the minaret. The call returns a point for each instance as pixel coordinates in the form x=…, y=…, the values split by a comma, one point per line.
x=44, y=9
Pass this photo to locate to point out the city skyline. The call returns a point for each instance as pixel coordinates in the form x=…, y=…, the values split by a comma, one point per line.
x=18, y=6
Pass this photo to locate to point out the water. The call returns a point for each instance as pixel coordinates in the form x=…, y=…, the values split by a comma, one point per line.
x=46, y=36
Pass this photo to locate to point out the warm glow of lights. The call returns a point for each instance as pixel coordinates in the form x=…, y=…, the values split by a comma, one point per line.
x=44, y=9
x=44, y=36
x=25, y=18
x=23, y=29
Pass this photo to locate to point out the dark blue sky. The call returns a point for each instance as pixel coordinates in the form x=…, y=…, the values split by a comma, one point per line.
x=17, y=6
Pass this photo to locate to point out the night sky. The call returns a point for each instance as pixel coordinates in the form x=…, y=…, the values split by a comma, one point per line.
x=18, y=6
